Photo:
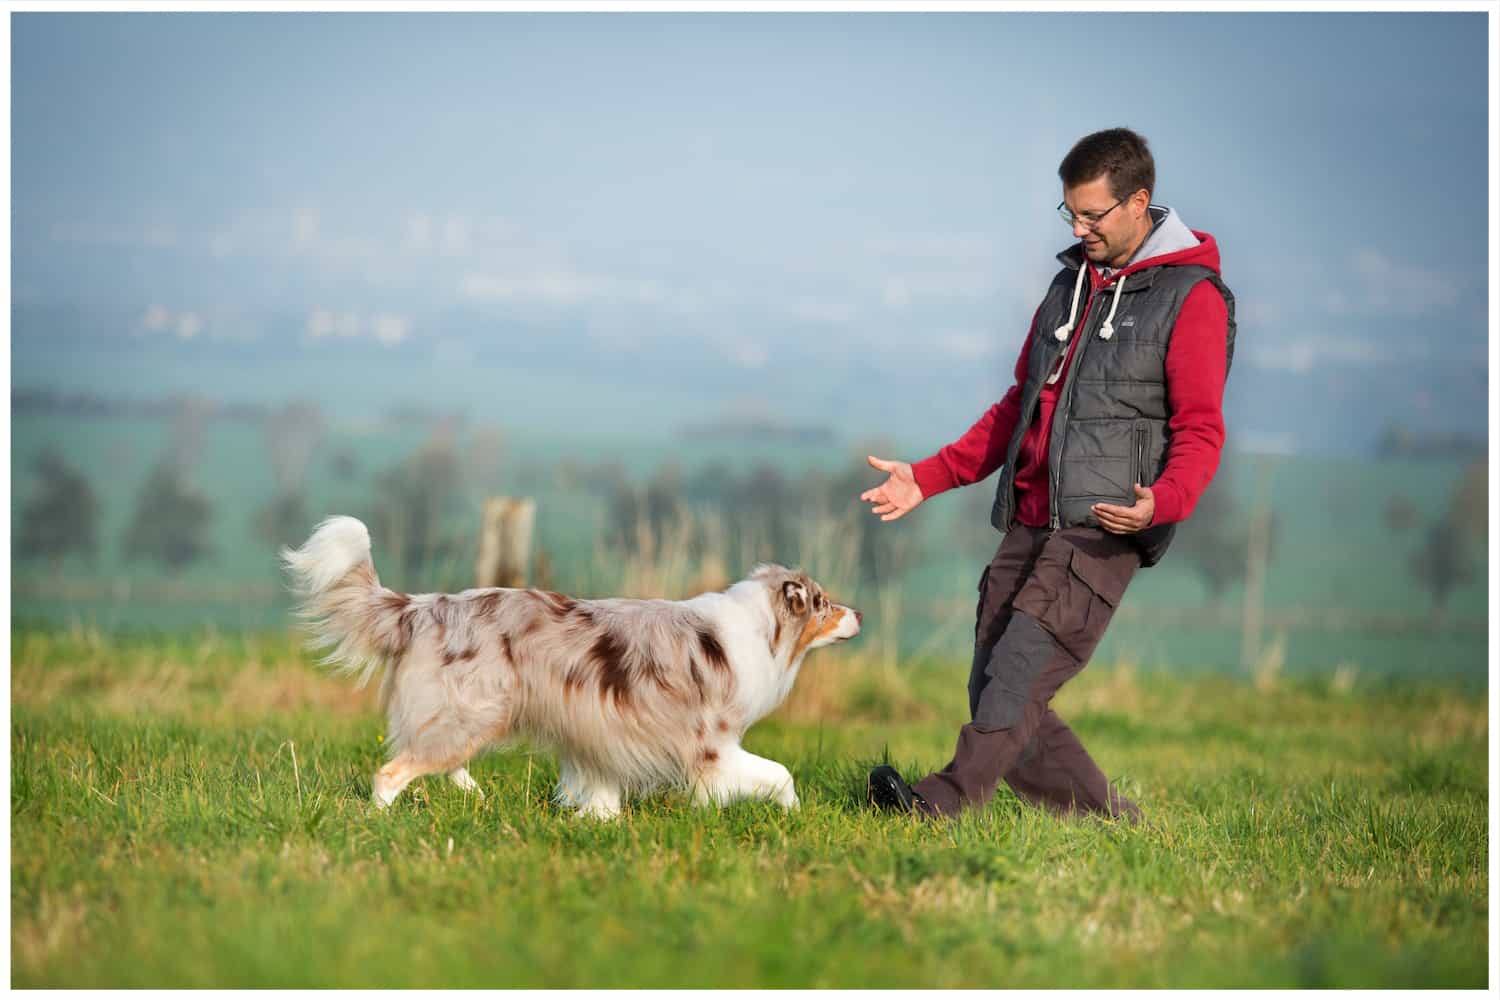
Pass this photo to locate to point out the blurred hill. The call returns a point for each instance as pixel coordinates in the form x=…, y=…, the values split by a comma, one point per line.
x=558, y=372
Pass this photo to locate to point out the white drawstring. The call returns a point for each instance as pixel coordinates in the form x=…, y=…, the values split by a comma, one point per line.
x=1108, y=329
x=1064, y=331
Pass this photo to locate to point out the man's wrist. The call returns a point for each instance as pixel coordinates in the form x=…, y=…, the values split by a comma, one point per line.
x=1166, y=505
x=931, y=476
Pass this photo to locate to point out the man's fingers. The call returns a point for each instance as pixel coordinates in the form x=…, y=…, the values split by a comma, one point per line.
x=1114, y=519
x=892, y=517
x=884, y=508
x=878, y=493
x=881, y=464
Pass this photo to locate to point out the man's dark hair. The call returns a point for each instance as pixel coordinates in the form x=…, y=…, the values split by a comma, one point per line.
x=1118, y=152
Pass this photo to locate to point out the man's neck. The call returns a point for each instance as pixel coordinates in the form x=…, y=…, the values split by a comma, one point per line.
x=1128, y=255
x=1151, y=222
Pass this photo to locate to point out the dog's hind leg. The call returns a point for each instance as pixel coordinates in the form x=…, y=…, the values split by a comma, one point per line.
x=391, y=779
x=464, y=780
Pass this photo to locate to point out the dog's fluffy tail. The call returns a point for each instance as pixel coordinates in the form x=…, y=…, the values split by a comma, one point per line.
x=342, y=601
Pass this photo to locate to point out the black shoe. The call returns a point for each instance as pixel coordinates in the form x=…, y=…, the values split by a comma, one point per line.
x=889, y=792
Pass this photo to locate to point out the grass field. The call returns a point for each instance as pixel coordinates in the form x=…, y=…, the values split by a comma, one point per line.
x=192, y=811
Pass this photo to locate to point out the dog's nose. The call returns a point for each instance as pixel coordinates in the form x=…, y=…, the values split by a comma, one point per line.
x=857, y=616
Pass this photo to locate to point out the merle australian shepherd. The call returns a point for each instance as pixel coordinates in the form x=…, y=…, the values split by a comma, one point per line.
x=632, y=694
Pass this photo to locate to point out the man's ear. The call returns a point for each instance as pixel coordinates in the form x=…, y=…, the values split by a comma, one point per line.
x=795, y=596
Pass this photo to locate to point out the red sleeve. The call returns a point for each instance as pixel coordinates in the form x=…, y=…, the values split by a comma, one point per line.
x=1195, y=397
x=981, y=450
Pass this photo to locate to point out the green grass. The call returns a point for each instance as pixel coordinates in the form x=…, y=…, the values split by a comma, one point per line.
x=191, y=811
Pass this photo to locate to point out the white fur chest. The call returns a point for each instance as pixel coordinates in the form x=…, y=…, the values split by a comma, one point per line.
x=743, y=619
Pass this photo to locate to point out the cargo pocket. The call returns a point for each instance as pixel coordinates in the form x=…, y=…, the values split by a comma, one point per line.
x=1073, y=596
x=1094, y=591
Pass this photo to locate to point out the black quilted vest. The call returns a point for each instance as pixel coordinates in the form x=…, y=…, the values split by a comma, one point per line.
x=1110, y=426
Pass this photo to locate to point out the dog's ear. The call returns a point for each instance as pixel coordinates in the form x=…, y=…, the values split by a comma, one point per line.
x=795, y=596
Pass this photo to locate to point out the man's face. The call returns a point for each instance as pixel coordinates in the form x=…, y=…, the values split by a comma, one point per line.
x=1118, y=230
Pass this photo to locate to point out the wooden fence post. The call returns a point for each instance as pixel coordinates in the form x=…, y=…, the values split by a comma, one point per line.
x=505, y=542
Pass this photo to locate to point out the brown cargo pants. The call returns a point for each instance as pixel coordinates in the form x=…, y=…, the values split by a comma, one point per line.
x=1044, y=602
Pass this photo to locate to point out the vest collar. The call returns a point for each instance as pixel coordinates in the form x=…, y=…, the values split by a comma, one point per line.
x=1142, y=277
x=1072, y=258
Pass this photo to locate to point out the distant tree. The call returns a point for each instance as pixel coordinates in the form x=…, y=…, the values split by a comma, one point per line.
x=1469, y=509
x=171, y=520
x=622, y=518
x=282, y=521
x=415, y=498
x=1455, y=541
x=63, y=516
x=759, y=511
x=638, y=517
x=1400, y=514
x=292, y=435
x=190, y=417
x=759, y=514
x=663, y=498
x=1215, y=540
x=710, y=484
x=1395, y=442
x=1443, y=562
x=343, y=464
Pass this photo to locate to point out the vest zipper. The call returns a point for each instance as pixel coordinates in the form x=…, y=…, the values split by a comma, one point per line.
x=1054, y=478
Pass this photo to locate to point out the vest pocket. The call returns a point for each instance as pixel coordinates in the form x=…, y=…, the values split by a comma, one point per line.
x=1141, y=458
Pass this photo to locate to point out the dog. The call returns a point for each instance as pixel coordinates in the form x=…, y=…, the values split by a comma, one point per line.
x=633, y=695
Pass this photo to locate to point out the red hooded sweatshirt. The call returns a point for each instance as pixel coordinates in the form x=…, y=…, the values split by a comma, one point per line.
x=1195, y=396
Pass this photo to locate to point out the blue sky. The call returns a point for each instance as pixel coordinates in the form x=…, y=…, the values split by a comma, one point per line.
x=867, y=195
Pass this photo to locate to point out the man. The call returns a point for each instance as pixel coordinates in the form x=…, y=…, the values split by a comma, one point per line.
x=1107, y=439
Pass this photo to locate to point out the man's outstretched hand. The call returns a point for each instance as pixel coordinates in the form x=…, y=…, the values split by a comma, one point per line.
x=1128, y=520
x=898, y=495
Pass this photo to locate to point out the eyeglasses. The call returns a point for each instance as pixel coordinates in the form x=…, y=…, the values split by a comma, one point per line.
x=1087, y=221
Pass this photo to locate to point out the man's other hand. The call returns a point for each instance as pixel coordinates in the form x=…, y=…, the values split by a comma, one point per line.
x=1128, y=520
x=897, y=495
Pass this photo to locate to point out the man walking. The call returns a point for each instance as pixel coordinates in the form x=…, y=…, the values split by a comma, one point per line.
x=1108, y=437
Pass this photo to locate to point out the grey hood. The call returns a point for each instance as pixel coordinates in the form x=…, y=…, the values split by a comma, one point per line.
x=1169, y=234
